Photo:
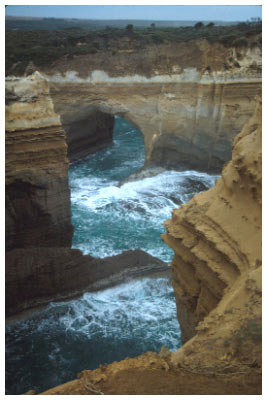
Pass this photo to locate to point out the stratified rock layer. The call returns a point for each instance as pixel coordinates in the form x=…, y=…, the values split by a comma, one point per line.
x=217, y=235
x=188, y=111
x=217, y=280
x=87, y=130
x=189, y=100
x=186, y=124
x=37, y=192
x=35, y=276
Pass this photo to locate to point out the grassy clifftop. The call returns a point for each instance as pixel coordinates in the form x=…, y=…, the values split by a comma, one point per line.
x=43, y=47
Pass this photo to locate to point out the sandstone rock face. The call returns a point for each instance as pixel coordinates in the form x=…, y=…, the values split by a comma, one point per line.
x=189, y=100
x=165, y=59
x=37, y=275
x=37, y=192
x=217, y=235
x=87, y=130
x=188, y=114
x=217, y=278
x=185, y=125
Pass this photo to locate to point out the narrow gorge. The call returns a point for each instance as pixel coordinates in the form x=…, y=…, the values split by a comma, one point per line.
x=196, y=107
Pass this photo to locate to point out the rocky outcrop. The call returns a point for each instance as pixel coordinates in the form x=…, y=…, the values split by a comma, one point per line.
x=217, y=235
x=188, y=115
x=223, y=358
x=188, y=107
x=189, y=100
x=87, y=130
x=186, y=124
x=40, y=265
x=138, y=58
x=35, y=276
x=37, y=192
x=217, y=280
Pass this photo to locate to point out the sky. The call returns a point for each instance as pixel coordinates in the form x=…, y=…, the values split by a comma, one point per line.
x=150, y=12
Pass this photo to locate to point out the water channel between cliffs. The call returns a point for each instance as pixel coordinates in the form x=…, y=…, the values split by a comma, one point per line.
x=124, y=321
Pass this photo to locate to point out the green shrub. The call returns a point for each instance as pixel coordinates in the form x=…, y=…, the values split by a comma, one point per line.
x=242, y=42
x=45, y=46
x=227, y=40
x=199, y=25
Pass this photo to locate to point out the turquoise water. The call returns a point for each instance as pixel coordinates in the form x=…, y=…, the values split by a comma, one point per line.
x=52, y=346
x=109, y=219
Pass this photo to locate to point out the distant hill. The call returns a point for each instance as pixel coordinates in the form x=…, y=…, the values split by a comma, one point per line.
x=31, y=23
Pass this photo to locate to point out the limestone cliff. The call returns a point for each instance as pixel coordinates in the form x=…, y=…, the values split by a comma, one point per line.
x=217, y=280
x=217, y=235
x=188, y=99
x=87, y=131
x=40, y=264
x=186, y=123
x=188, y=112
x=37, y=275
x=37, y=192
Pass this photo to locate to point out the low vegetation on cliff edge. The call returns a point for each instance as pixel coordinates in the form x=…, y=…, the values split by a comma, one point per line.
x=43, y=47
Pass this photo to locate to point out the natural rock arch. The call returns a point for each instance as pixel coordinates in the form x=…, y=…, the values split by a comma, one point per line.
x=89, y=127
x=185, y=125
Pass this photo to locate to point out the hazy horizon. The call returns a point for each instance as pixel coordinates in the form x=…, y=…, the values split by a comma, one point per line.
x=136, y=12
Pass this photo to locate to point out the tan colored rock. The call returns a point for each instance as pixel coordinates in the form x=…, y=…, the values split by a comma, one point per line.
x=165, y=59
x=189, y=100
x=37, y=192
x=190, y=105
x=217, y=279
x=189, y=125
x=217, y=235
x=186, y=103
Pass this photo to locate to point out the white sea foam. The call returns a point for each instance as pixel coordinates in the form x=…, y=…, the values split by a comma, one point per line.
x=125, y=310
x=128, y=217
x=95, y=194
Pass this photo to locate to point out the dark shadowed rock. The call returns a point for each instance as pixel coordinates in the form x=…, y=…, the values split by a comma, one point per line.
x=87, y=130
x=35, y=276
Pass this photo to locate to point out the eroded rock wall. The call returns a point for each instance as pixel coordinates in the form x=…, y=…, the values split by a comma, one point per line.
x=189, y=106
x=185, y=125
x=87, y=129
x=37, y=275
x=38, y=214
x=217, y=278
x=37, y=192
x=217, y=235
x=189, y=100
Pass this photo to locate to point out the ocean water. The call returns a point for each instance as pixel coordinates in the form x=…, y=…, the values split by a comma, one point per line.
x=109, y=218
x=52, y=346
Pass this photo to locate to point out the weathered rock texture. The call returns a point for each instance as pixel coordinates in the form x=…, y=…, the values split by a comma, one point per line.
x=40, y=266
x=165, y=59
x=189, y=100
x=188, y=107
x=188, y=113
x=35, y=276
x=217, y=235
x=217, y=279
x=87, y=130
x=185, y=125
x=37, y=192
